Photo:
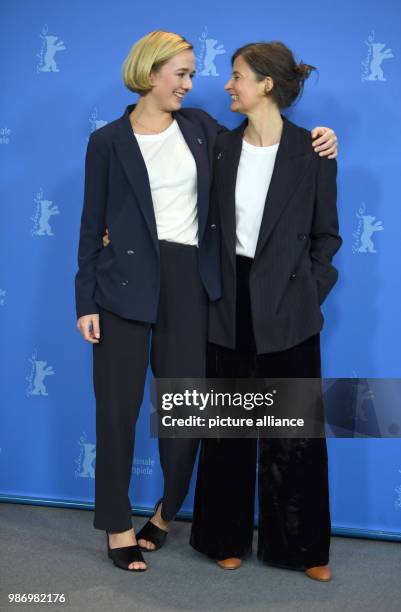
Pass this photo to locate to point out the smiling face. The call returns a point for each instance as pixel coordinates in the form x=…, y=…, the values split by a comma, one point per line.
x=247, y=94
x=173, y=80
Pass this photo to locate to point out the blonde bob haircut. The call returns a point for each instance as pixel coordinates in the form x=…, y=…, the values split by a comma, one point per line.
x=150, y=53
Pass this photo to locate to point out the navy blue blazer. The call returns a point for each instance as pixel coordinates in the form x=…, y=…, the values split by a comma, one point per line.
x=125, y=276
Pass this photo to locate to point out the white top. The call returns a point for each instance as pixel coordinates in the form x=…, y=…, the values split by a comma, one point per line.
x=173, y=183
x=253, y=179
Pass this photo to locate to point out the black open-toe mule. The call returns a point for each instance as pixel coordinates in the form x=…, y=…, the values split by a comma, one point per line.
x=152, y=533
x=123, y=557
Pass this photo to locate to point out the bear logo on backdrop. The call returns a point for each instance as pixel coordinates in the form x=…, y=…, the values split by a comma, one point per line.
x=363, y=399
x=95, y=122
x=44, y=210
x=363, y=235
x=142, y=466
x=2, y=297
x=50, y=46
x=39, y=370
x=372, y=69
x=207, y=54
x=5, y=134
x=86, y=458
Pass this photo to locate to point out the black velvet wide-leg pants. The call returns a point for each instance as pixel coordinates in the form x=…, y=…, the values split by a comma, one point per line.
x=294, y=515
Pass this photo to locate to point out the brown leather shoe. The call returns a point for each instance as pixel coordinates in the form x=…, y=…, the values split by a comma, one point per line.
x=320, y=572
x=232, y=563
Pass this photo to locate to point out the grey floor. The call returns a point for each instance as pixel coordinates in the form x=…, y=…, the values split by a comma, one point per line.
x=54, y=550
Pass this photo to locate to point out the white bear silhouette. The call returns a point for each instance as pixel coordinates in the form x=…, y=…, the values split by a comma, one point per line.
x=41, y=371
x=378, y=55
x=89, y=457
x=51, y=49
x=369, y=228
x=364, y=394
x=212, y=50
x=46, y=211
x=95, y=122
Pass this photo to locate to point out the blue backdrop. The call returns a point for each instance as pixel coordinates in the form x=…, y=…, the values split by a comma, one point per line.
x=61, y=79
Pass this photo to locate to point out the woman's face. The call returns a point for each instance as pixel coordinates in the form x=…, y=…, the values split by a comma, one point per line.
x=173, y=81
x=246, y=92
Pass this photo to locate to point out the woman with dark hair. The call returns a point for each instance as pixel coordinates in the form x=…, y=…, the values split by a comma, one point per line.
x=276, y=199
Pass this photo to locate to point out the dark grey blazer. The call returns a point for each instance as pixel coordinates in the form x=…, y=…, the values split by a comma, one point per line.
x=292, y=272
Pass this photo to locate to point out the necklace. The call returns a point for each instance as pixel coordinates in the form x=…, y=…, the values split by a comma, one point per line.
x=134, y=120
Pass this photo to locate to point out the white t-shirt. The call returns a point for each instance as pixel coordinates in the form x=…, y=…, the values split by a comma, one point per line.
x=173, y=183
x=253, y=180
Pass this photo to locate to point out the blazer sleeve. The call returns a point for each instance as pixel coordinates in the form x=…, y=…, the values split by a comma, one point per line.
x=92, y=227
x=325, y=239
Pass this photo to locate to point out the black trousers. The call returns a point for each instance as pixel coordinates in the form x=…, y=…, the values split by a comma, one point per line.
x=177, y=347
x=294, y=515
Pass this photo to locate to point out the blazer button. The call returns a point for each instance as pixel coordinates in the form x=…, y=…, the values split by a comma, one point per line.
x=130, y=252
x=213, y=226
x=302, y=236
x=219, y=155
x=200, y=141
x=293, y=275
x=124, y=283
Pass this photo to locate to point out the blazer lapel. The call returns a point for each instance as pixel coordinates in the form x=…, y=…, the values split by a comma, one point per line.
x=226, y=170
x=291, y=163
x=130, y=156
x=197, y=144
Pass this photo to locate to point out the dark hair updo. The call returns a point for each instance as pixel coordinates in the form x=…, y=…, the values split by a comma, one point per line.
x=277, y=61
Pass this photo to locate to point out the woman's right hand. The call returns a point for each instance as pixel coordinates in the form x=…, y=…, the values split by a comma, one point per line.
x=89, y=328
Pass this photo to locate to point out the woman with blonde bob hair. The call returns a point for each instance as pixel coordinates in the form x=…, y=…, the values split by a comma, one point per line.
x=146, y=295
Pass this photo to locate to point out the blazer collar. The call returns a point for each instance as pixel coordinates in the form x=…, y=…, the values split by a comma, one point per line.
x=191, y=131
x=291, y=142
